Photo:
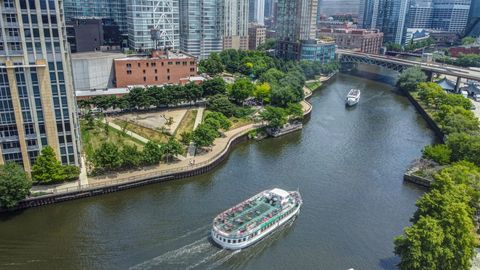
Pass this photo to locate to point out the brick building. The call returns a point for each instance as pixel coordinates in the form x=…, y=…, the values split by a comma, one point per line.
x=256, y=35
x=367, y=41
x=161, y=67
x=457, y=51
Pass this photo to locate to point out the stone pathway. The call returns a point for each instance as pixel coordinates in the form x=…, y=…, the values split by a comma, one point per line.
x=198, y=120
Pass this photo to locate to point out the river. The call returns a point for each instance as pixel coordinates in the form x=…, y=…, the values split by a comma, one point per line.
x=346, y=162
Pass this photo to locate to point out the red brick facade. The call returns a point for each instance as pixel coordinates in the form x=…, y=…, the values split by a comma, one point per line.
x=366, y=41
x=160, y=68
x=456, y=51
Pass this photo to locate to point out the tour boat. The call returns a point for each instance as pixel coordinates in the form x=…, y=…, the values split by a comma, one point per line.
x=253, y=219
x=353, y=97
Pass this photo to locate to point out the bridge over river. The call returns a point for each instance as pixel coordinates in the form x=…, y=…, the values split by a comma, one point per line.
x=399, y=64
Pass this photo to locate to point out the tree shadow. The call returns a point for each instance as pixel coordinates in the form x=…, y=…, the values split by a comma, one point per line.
x=389, y=263
x=9, y=214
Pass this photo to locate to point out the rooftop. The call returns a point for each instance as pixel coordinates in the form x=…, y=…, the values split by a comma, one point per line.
x=93, y=55
x=159, y=54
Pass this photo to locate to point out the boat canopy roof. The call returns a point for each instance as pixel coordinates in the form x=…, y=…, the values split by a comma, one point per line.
x=280, y=193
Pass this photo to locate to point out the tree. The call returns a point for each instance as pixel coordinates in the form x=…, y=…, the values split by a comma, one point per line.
x=204, y=136
x=272, y=76
x=276, y=117
x=262, y=92
x=171, y=149
x=14, y=185
x=214, y=86
x=241, y=90
x=47, y=169
x=464, y=147
x=223, y=121
x=410, y=77
x=439, y=153
x=130, y=156
x=295, y=111
x=282, y=96
x=186, y=138
x=212, y=65
x=221, y=103
x=71, y=172
x=468, y=40
x=152, y=153
x=107, y=157
x=421, y=246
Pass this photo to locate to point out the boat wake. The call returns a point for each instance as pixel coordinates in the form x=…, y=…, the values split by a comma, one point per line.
x=199, y=254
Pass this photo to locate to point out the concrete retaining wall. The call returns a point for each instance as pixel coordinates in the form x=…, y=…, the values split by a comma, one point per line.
x=436, y=129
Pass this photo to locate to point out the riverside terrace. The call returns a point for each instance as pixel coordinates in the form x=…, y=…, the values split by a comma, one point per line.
x=251, y=213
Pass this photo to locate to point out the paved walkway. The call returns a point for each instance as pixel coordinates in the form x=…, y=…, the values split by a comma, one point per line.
x=128, y=132
x=477, y=108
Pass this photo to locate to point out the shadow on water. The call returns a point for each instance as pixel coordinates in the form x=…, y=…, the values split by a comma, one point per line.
x=389, y=263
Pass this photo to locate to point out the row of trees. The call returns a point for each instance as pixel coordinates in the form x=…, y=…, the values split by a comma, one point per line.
x=442, y=235
x=412, y=46
x=109, y=156
x=154, y=96
x=464, y=60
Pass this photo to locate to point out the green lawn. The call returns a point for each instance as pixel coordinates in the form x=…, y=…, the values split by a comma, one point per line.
x=314, y=85
x=93, y=137
x=187, y=123
x=147, y=133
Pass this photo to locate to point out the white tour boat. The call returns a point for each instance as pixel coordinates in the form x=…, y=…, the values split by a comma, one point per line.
x=353, y=97
x=253, y=219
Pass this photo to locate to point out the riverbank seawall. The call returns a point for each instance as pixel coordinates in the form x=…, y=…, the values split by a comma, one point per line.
x=95, y=189
x=431, y=123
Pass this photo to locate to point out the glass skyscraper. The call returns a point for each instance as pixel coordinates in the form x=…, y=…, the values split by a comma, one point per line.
x=451, y=15
x=473, y=28
x=37, y=103
x=110, y=9
x=200, y=27
x=153, y=20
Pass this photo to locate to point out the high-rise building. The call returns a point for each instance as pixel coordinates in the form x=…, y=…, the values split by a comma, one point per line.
x=37, y=105
x=235, y=24
x=473, y=27
x=368, y=13
x=256, y=36
x=269, y=8
x=110, y=9
x=153, y=24
x=420, y=14
x=296, y=22
x=332, y=7
x=451, y=15
x=256, y=13
x=200, y=27
x=387, y=15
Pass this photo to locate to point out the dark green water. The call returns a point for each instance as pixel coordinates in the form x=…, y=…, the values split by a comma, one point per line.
x=347, y=163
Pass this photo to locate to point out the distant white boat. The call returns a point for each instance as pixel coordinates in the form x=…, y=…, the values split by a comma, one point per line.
x=353, y=97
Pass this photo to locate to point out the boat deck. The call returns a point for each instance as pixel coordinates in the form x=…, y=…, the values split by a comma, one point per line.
x=248, y=215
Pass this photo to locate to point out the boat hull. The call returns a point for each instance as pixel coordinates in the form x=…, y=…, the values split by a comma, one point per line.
x=235, y=246
x=352, y=102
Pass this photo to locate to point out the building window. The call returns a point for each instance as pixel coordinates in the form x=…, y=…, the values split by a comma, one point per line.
x=129, y=72
x=138, y=64
x=170, y=63
x=144, y=71
x=129, y=65
x=192, y=69
x=168, y=78
x=177, y=63
x=156, y=78
x=147, y=64
x=168, y=70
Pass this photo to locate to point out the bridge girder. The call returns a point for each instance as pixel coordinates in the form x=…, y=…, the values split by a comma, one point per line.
x=345, y=58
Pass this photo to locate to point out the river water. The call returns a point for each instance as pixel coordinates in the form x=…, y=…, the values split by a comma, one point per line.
x=346, y=162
